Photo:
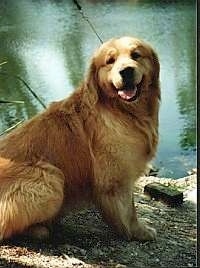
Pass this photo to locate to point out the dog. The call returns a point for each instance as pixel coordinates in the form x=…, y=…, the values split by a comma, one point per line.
x=88, y=148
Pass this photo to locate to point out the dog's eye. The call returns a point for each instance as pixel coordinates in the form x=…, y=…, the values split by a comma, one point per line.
x=135, y=55
x=110, y=60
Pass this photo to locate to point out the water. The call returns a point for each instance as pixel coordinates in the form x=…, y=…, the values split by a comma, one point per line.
x=49, y=45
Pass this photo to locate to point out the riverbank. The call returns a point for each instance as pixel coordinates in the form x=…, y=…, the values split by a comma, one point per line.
x=83, y=240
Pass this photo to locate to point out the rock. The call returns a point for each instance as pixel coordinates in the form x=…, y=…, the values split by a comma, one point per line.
x=192, y=196
x=192, y=171
x=168, y=194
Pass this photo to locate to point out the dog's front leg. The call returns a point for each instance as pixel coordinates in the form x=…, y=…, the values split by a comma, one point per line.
x=115, y=202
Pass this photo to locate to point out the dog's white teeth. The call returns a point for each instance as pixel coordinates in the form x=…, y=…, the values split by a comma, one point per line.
x=127, y=94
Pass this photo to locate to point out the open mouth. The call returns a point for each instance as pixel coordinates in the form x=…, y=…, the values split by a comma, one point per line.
x=129, y=94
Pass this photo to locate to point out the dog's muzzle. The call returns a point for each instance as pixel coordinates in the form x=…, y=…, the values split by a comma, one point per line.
x=129, y=90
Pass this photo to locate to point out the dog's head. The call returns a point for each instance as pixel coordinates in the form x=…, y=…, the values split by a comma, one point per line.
x=123, y=68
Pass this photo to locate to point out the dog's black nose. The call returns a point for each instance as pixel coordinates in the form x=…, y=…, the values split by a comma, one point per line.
x=127, y=74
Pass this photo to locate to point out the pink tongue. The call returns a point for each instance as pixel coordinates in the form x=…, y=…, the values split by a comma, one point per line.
x=127, y=94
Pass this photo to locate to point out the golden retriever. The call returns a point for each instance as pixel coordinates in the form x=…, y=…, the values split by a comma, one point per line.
x=88, y=148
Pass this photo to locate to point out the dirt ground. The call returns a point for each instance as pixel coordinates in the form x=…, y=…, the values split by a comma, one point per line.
x=84, y=240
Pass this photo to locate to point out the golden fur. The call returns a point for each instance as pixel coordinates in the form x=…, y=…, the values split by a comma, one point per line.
x=88, y=148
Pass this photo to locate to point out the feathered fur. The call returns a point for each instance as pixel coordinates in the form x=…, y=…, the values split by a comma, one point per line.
x=88, y=148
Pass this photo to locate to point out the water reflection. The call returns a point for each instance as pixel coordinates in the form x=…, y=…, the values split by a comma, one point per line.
x=49, y=45
x=186, y=91
x=184, y=55
x=186, y=100
x=73, y=50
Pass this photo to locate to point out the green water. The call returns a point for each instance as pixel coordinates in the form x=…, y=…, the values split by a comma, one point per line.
x=49, y=45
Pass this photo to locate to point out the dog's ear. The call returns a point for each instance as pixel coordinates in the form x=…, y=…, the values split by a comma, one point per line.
x=154, y=87
x=91, y=83
x=156, y=73
x=156, y=67
x=91, y=79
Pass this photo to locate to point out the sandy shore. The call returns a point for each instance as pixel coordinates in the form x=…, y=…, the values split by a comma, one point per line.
x=84, y=240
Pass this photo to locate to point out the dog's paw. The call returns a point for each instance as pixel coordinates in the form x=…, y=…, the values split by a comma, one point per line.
x=144, y=232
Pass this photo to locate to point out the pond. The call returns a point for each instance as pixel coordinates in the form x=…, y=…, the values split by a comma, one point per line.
x=49, y=45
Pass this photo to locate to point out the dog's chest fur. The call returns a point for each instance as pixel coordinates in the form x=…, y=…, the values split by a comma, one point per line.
x=122, y=132
x=122, y=142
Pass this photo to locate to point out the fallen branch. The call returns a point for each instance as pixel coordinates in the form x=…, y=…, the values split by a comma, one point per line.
x=2, y=63
x=27, y=86
x=12, y=127
x=11, y=102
